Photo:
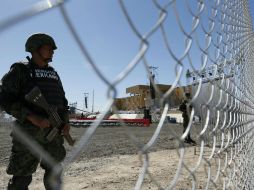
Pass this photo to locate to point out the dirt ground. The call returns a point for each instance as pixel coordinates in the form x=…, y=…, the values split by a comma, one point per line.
x=112, y=162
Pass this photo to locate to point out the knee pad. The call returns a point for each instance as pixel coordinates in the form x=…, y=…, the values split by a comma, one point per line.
x=51, y=182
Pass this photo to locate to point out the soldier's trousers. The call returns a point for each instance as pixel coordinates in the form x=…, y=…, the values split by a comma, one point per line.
x=23, y=162
x=185, y=125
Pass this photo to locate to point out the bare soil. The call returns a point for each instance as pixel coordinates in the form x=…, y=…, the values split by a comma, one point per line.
x=112, y=160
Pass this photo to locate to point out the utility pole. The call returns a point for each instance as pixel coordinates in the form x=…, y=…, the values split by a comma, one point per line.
x=85, y=100
x=151, y=80
x=93, y=102
x=149, y=110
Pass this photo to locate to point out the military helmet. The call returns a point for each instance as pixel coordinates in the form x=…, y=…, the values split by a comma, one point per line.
x=35, y=41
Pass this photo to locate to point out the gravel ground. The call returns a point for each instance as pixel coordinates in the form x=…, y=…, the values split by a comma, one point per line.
x=111, y=160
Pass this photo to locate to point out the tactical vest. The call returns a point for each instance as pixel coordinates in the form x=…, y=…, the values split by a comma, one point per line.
x=48, y=82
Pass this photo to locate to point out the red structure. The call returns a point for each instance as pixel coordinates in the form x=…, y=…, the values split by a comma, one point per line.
x=85, y=122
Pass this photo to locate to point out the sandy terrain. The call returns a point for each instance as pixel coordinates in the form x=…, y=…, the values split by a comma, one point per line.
x=112, y=161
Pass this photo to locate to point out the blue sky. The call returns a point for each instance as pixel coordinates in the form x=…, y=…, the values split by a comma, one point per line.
x=109, y=39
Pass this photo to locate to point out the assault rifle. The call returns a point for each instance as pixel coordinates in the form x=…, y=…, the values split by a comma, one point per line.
x=36, y=97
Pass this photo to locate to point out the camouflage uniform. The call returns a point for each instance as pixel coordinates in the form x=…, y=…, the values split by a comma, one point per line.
x=15, y=85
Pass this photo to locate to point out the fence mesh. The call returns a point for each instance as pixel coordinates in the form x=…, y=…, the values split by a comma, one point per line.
x=214, y=46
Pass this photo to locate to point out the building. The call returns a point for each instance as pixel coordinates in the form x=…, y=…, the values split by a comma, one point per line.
x=140, y=97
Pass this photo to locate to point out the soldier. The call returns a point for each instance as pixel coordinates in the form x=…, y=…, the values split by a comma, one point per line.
x=186, y=109
x=19, y=81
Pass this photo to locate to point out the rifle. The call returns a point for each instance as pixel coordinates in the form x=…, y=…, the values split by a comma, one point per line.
x=36, y=97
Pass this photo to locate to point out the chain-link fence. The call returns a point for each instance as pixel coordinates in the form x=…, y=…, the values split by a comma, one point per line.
x=214, y=47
